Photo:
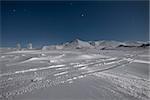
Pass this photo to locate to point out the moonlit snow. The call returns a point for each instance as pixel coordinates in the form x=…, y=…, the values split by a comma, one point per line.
x=77, y=70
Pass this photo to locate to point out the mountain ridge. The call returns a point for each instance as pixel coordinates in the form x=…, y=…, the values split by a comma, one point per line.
x=100, y=44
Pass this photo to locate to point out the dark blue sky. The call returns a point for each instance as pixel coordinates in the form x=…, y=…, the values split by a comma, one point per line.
x=47, y=22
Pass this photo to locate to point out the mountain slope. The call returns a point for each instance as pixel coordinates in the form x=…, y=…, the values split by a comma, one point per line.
x=103, y=44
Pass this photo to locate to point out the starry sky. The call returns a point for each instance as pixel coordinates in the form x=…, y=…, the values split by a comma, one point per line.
x=55, y=22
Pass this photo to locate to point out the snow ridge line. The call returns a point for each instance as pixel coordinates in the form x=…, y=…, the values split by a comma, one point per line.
x=95, y=71
x=32, y=70
x=58, y=66
x=91, y=72
x=49, y=67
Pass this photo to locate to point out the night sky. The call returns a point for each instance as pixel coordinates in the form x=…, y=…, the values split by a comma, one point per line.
x=49, y=22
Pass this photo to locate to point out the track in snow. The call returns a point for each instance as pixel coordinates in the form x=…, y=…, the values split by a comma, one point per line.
x=37, y=78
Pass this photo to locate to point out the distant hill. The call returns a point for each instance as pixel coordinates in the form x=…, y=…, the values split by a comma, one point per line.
x=101, y=44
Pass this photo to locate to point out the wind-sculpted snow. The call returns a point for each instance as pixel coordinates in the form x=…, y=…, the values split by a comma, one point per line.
x=103, y=72
x=128, y=85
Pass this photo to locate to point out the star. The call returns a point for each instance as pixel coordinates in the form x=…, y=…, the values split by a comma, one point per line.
x=82, y=15
x=14, y=10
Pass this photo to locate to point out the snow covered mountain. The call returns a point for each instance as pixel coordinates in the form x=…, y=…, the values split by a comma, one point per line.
x=75, y=44
x=101, y=44
x=78, y=44
x=106, y=44
x=133, y=43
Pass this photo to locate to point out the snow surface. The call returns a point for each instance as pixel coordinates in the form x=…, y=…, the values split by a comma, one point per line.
x=76, y=70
